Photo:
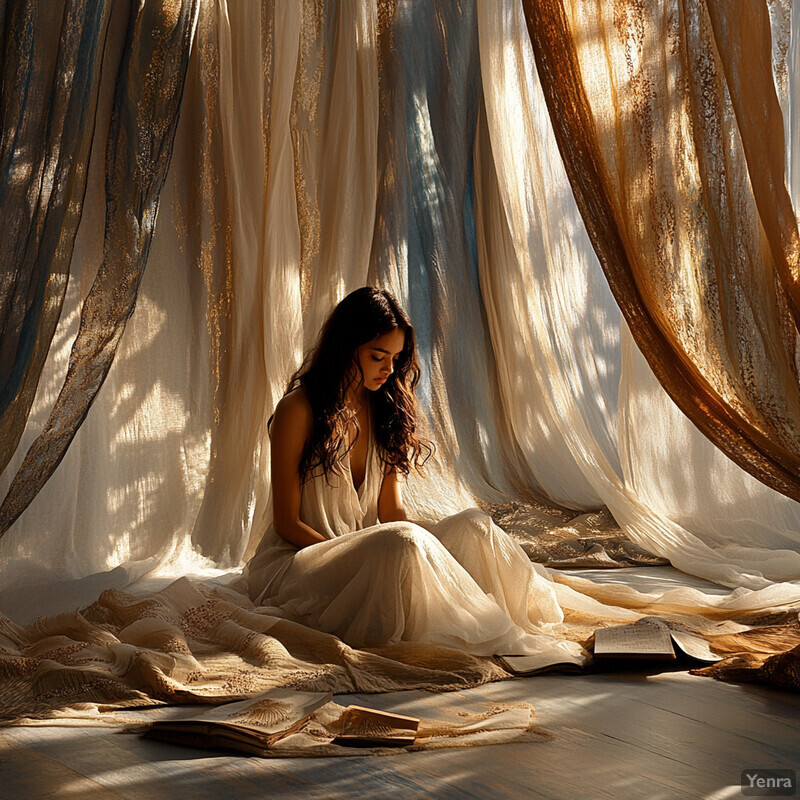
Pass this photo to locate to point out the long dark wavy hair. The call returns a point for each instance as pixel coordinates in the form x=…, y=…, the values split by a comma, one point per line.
x=331, y=368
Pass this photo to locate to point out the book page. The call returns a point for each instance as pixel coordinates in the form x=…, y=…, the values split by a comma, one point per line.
x=693, y=645
x=370, y=725
x=531, y=665
x=268, y=713
x=648, y=637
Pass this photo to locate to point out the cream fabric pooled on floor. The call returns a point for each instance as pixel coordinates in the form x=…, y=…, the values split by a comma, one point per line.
x=461, y=582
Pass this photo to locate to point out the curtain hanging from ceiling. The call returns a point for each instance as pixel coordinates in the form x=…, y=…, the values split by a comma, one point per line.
x=140, y=137
x=406, y=144
x=593, y=386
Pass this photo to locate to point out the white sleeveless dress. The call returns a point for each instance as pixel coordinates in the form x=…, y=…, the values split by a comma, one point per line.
x=461, y=583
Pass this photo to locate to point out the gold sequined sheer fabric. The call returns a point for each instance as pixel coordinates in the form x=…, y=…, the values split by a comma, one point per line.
x=592, y=539
x=671, y=131
x=51, y=59
x=141, y=133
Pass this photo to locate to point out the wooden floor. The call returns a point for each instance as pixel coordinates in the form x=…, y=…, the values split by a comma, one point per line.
x=617, y=735
x=657, y=735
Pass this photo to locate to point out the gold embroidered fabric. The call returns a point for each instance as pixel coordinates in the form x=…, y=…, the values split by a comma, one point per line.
x=667, y=118
x=185, y=644
x=191, y=643
x=768, y=654
x=592, y=539
x=50, y=75
x=145, y=114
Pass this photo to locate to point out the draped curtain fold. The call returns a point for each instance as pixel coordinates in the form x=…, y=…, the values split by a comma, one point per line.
x=660, y=112
x=566, y=344
x=145, y=114
x=51, y=61
x=742, y=37
x=424, y=248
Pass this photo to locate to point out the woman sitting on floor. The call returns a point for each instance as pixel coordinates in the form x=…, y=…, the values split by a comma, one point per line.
x=341, y=555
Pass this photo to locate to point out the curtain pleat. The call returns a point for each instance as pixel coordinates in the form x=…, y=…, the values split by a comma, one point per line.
x=553, y=322
x=338, y=161
x=48, y=97
x=654, y=156
x=230, y=47
x=792, y=107
x=425, y=248
x=742, y=38
x=141, y=134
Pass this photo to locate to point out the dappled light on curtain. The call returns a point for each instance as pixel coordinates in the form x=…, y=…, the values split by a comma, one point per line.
x=51, y=59
x=424, y=247
x=568, y=363
x=658, y=112
x=138, y=153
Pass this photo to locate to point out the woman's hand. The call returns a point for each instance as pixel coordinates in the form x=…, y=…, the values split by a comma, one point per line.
x=289, y=432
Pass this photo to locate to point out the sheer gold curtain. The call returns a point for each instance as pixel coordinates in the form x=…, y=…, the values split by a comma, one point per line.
x=50, y=76
x=660, y=111
x=138, y=152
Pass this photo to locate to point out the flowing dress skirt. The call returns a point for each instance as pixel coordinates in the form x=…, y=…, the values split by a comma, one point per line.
x=461, y=583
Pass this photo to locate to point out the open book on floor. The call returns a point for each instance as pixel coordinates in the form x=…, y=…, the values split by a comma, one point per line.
x=248, y=726
x=651, y=639
x=255, y=725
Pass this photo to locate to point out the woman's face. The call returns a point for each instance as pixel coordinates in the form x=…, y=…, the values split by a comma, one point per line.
x=377, y=358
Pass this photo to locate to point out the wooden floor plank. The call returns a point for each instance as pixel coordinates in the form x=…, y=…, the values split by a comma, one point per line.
x=24, y=774
x=616, y=736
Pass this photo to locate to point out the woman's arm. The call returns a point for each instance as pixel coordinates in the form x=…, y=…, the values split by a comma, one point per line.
x=289, y=432
x=390, y=500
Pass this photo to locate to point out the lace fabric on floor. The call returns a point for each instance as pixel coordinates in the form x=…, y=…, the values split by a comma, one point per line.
x=193, y=643
x=592, y=539
x=187, y=644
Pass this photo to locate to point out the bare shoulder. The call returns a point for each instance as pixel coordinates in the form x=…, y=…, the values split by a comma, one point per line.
x=295, y=402
x=293, y=412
